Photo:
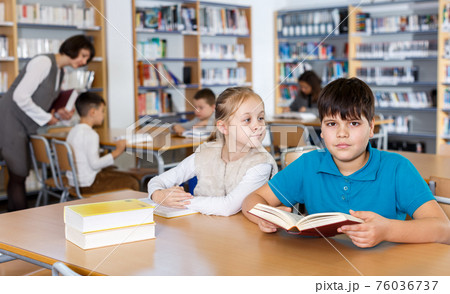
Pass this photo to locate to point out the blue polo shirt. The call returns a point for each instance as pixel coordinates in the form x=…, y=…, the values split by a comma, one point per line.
x=388, y=185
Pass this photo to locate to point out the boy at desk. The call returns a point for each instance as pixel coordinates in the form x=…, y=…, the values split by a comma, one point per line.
x=205, y=105
x=91, y=173
x=376, y=186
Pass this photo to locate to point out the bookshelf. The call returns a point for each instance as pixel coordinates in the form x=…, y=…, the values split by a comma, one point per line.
x=395, y=51
x=443, y=101
x=195, y=42
x=299, y=47
x=19, y=29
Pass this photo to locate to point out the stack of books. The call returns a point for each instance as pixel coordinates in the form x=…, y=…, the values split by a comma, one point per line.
x=108, y=223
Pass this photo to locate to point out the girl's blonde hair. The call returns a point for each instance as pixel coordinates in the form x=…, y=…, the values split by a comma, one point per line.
x=227, y=103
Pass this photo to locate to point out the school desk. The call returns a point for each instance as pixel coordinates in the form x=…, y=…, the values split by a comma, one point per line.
x=163, y=140
x=429, y=164
x=211, y=245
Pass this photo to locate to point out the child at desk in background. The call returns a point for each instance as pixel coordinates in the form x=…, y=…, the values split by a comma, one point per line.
x=310, y=86
x=85, y=144
x=376, y=186
x=204, y=104
x=228, y=167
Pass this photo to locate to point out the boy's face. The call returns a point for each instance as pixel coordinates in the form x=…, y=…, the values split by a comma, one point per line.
x=98, y=114
x=346, y=139
x=204, y=110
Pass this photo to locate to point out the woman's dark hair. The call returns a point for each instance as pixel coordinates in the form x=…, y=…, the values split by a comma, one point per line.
x=313, y=81
x=349, y=98
x=72, y=46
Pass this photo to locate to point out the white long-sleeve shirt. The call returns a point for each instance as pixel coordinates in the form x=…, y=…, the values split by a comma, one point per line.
x=36, y=71
x=225, y=205
x=85, y=145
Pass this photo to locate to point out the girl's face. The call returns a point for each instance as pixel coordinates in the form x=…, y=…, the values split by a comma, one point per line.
x=247, y=127
x=305, y=88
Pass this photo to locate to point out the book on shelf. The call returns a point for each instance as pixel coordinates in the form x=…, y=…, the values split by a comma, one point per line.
x=168, y=212
x=318, y=224
x=116, y=236
x=150, y=103
x=107, y=215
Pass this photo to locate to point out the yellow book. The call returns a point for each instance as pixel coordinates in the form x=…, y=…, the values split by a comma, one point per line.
x=107, y=215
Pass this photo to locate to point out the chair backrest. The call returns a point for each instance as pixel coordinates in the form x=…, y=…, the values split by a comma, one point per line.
x=65, y=161
x=41, y=153
x=290, y=155
x=441, y=189
x=284, y=136
x=380, y=133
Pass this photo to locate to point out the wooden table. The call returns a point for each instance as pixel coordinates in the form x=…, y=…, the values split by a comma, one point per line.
x=212, y=245
x=429, y=164
x=163, y=141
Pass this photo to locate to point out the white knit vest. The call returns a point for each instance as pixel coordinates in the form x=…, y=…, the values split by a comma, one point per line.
x=216, y=177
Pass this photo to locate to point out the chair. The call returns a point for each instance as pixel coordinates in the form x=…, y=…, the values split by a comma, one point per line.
x=291, y=154
x=380, y=133
x=41, y=154
x=59, y=268
x=440, y=187
x=65, y=162
x=284, y=136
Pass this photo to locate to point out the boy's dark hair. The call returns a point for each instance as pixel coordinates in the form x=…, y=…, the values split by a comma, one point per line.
x=206, y=94
x=86, y=101
x=349, y=98
x=72, y=46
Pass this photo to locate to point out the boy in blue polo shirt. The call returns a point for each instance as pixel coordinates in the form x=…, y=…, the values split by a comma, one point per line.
x=352, y=177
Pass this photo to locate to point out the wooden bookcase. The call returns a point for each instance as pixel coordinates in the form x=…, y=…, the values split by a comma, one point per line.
x=427, y=122
x=189, y=56
x=14, y=30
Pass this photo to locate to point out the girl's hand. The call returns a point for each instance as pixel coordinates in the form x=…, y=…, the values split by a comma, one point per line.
x=267, y=227
x=368, y=234
x=174, y=197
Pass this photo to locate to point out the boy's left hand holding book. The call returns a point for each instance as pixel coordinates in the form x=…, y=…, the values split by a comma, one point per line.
x=268, y=227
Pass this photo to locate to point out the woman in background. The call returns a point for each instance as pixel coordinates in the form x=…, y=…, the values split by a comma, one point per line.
x=310, y=86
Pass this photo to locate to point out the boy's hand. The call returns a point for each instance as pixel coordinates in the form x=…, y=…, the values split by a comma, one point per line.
x=178, y=130
x=174, y=197
x=368, y=234
x=120, y=148
x=267, y=227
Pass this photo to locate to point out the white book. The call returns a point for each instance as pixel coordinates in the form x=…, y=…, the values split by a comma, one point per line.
x=95, y=239
x=168, y=212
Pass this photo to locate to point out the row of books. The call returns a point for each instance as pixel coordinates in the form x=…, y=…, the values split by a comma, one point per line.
x=153, y=75
x=400, y=124
x=152, y=48
x=446, y=99
x=312, y=23
x=289, y=72
x=224, y=76
x=447, y=48
x=446, y=127
x=402, y=99
x=447, y=74
x=222, y=51
x=397, y=50
x=306, y=50
x=288, y=92
x=154, y=102
x=62, y=15
x=4, y=46
x=394, y=24
x=3, y=81
x=388, y=75
x=446, y=17
x=334, y=70
x=2, y=12
x=166, y=18
x=28, y=48
x=216, y=20
x=78, y=79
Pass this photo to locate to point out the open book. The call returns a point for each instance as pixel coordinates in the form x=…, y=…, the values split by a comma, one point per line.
x=197, y=132
x=135, y=138
x=168, y=212
x=319, y=224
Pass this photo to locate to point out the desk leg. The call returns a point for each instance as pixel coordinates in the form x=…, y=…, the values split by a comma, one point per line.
x=33, y=261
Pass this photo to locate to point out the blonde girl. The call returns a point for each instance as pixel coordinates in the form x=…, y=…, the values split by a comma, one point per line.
x=229, y=167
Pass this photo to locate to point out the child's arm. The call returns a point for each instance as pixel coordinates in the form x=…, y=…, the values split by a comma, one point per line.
x=120, y=148
x=178, y=129
x=430, y=224
x=163, y=189
x=231, y=204
x=263, y=195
